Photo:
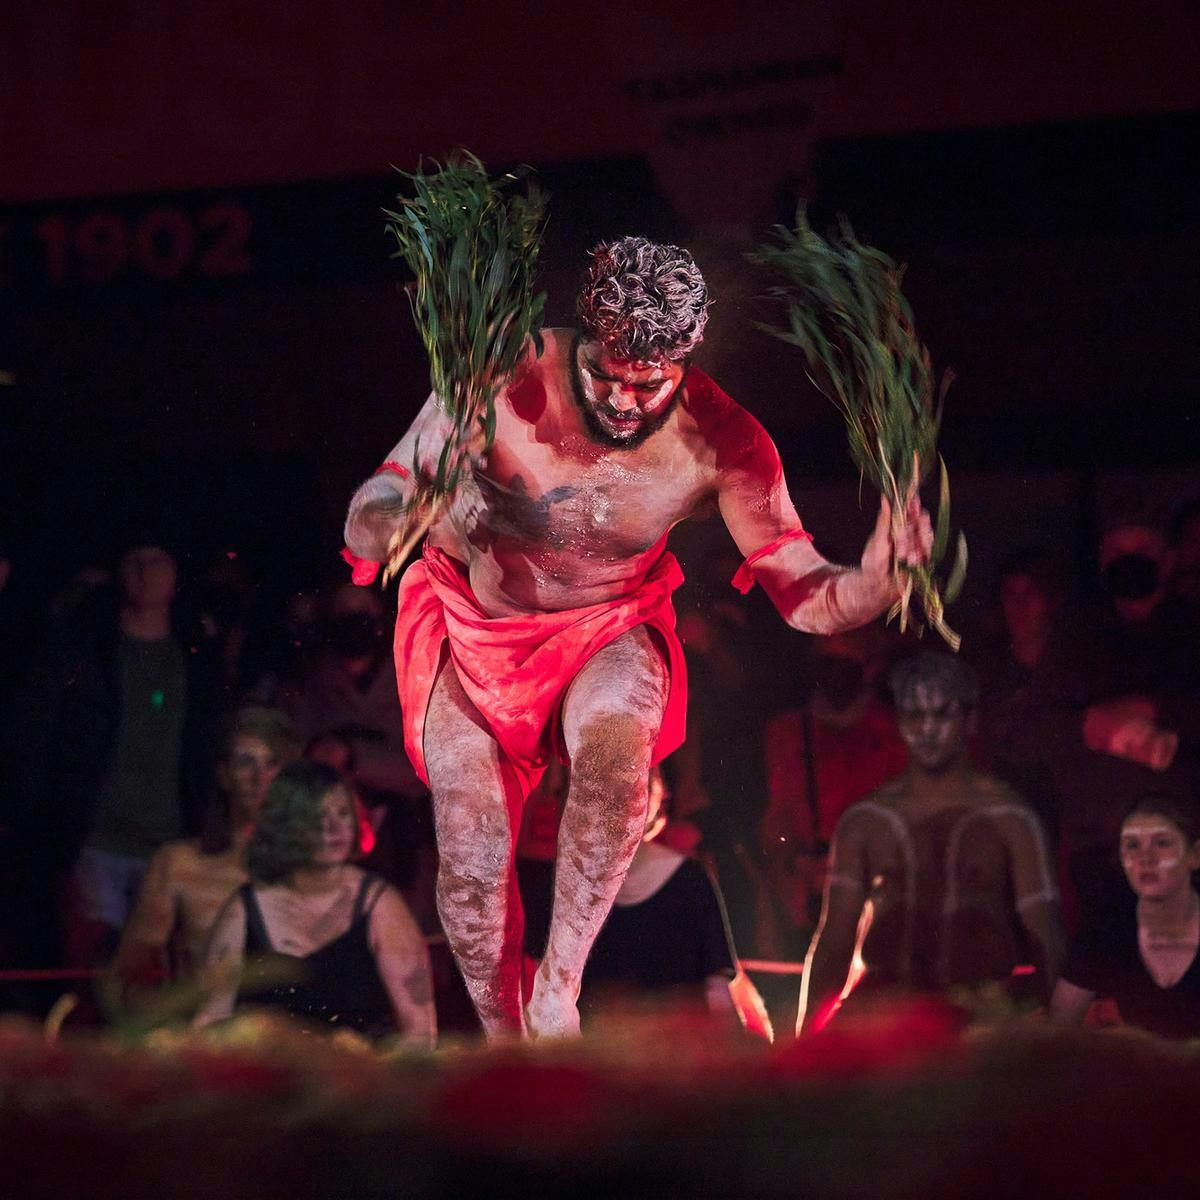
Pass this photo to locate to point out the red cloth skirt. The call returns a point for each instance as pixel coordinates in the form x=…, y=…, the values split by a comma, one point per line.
x=516, y=669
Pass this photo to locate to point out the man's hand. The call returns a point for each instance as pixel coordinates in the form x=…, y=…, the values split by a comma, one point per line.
x=908, y=542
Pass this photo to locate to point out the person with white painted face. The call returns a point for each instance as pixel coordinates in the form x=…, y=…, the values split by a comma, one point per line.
x=942, y=877
x=1144, y=957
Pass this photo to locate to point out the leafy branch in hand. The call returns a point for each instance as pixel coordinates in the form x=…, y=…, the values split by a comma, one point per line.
x=472, y=244
x=846, y=312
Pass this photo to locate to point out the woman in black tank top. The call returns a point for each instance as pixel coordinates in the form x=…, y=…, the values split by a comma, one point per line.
x=343, y=943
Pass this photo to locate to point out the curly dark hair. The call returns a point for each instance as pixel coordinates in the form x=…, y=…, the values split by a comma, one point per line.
x=643, y=301
x=936, y=668
x=290, y=822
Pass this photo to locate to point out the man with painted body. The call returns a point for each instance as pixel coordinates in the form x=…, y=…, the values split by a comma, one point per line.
x=603, y=443
x=934, y=878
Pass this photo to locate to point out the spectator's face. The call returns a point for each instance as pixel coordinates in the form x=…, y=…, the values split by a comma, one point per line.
x=1155, y=854
x=338, y=832
x=147, y=576
x=1026, y=605
x=248, y=772
x=933, y=726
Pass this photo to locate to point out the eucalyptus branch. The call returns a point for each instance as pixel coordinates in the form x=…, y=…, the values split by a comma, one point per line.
x=472, y=244
x=845, y=311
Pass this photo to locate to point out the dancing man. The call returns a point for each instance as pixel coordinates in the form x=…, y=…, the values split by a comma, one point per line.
x=539, y=621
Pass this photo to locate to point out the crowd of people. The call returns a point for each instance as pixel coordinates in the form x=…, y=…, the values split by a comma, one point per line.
x=187, y=793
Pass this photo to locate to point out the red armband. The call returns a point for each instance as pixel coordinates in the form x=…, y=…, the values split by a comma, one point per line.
x=393, y=465
x=362, y=570
x=744, y=580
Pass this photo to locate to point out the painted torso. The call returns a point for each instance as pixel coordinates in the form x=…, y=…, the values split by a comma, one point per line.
x=940, y=882
x=553, y=519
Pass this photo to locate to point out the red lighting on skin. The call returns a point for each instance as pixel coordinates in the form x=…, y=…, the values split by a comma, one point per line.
x=898, y=1037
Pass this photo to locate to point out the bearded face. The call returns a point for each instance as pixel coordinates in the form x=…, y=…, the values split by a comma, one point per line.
x=623, y=402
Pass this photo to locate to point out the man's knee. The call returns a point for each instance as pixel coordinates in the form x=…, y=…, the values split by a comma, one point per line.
x=613, y=753
x=474, y=840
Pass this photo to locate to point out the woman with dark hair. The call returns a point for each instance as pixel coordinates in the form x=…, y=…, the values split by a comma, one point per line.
x=187, y=881
x=348, y=939
x=1145, y=956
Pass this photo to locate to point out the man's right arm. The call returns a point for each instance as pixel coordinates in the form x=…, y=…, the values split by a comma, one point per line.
x=377, y=509
x=827, y=966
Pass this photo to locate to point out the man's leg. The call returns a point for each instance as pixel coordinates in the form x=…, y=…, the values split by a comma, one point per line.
x=476, y=811
x=611, y=718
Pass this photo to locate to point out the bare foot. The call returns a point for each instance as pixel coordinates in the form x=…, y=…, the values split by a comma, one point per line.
x=551, y=1016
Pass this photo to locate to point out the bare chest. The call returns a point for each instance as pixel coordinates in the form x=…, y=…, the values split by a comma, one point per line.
x=604, y=508
x=547, y=527
x=203, y=889
x=300, y=924
x=1168, y=957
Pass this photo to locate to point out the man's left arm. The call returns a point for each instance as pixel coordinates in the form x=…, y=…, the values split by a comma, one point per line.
x=811, y=593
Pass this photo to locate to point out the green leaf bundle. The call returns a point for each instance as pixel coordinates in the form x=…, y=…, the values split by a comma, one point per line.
x=472, y=244
x=846, y=312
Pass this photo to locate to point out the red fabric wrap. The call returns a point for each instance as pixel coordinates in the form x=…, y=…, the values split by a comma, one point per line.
x=743, y=578
x=516, y=669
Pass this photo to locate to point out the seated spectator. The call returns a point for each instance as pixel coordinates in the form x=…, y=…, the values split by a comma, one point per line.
x=1139, y=733
x=188, y=881
x=349, y=694
x=1142, y=634
x=938, y=877
x=1033, y=682
x=1144, y=957
x=666, y=936
x=351, y=691
x=821, y=758
x=357, y=955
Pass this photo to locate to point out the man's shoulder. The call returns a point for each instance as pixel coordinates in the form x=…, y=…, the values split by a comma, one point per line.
x=175, y=858
x=708, y=403
x=549, y=350
x=888, y=793
x=990, y=791
x=735, y=435
x=882, y=803
x=1002, y=803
